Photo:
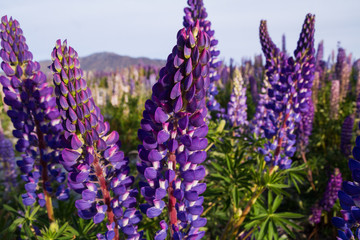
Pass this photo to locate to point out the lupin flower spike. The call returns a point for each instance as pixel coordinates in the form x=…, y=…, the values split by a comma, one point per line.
x=196, y=11
x=97, y=168
x=173, y=133
x=290, y=82
x=34, y=116
x=349, y=200
x=237, y=105
x=346, y=135
x=334, y=99
x=329, y=198
x=7, y=165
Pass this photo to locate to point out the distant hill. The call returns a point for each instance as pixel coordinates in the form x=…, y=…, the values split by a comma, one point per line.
x=106, y=61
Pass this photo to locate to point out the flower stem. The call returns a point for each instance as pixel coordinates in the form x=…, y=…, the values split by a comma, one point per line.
x=309, y=175
x=172, y=199
x=44, y=173
x=106, y=195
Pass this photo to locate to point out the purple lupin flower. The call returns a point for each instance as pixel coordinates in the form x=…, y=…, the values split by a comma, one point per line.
x=357, y=77
x=315, y=216
x=332, y=189
x=357, y=112
x=305, y=127
x=254, y=89
x=320, y=65
x=342, y=73
x=285, y=103
x=261, y=112
x=7, y=166
x=334, y=99
x=349, y=199
x=329, y=198
x=346, y=135
x=283, y=44
x=196, y=11
x=304, y=54
x=237, y=105
x=34, y=116
x=315, y=89
x=268, y=46
x=97, y=168
x=173, y=133
x=340, y=61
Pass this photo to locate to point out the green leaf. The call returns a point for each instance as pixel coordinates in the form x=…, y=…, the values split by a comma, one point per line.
x=263, y=229
x=35, y=210
x=11, y=209
x=276, y=203
x=270, y=199
x=271, y=230
x=289, y=215
x=217, y=166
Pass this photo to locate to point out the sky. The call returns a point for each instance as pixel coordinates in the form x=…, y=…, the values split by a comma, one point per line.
x=148, y=28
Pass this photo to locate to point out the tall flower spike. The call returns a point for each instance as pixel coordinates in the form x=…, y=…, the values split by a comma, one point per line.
x=34, y=116
x=173, y=133
x=268, y=46
x=287, y=78
x=7, y=166
x=329, y=198
x=261, y=111
x=346, y=135
x=254, y=90
x=97, y=168
x=305, y=127
x=237, y=105
x=334, y=99
x=349, y=198
x=304, y=55
x=197, y=12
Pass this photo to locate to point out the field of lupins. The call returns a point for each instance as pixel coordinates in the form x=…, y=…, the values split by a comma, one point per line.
x=193, y=150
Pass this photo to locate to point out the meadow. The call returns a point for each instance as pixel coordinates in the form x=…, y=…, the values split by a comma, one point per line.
x=195, y=149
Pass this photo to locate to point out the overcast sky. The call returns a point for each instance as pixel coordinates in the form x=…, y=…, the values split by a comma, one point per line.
x=147, y=28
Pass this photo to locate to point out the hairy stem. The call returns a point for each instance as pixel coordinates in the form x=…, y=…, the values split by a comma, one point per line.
x=172, y=199
x=106, y=195
x=309, y=175
x=44, y=173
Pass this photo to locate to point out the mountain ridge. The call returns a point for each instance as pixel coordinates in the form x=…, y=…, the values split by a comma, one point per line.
x=107, y=62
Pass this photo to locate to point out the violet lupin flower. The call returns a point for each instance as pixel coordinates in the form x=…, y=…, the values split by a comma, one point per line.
x=329, y=198
x=260, y=113
x=304, y=54
x=287, y=78
x=305, y=127
x=173, y=133
x=7, y=166
x=97, y=168
x=315, y=216
x=346, y=135
x=349, y=199
x=332, y=189
x=34, y=116
x=254, y=90
x=319, y=63
x=283, y=44
x=237, y=105
x=196, y=11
